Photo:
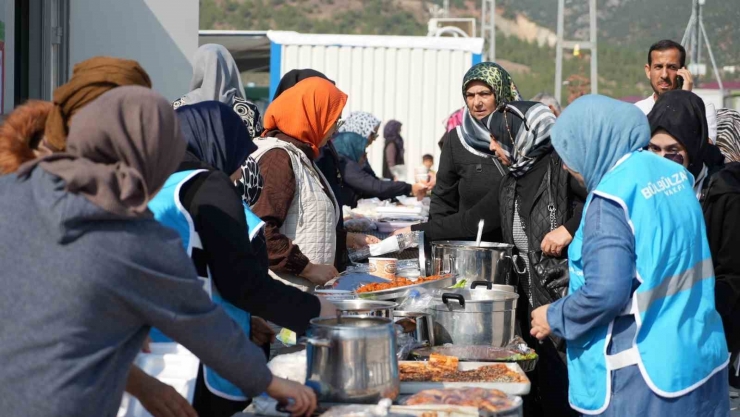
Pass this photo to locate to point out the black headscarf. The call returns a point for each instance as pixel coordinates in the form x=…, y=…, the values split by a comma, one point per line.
x=216, y=135
x=683, y=115
x=293, y=77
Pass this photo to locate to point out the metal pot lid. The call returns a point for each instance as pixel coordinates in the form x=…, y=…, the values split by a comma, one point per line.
x=350, y=322
x=469, y=244
x=364, y=305
x=398, y=314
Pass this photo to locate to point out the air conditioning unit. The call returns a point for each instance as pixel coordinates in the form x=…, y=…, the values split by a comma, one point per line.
x=452, y=27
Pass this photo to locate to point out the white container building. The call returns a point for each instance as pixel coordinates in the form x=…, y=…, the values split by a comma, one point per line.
x=415, y=80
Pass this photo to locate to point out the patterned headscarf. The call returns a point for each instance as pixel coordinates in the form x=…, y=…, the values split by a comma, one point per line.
x=497, y=78
x=360, y=122
x=250, y=184
x=216, y=77
x=477, y=133
x=728, y=134
x=522, y=128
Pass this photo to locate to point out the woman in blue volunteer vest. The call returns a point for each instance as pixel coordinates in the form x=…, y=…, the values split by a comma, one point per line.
x=223, y=237
x=643, y=335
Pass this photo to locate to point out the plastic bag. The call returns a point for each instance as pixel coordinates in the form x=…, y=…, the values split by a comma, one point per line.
x=291, y=366
x=360, y=225
x=391, y=244
x=418, y=301
x=405, y=343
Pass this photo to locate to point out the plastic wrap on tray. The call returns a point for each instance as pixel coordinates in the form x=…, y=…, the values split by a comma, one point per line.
x=488, y=401
x=516, y=351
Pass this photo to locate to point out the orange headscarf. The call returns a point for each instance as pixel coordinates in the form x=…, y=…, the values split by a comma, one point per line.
x=306, y=111
x=21, y=133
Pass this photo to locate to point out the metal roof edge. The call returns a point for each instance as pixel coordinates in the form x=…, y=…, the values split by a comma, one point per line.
x=472, y=45
x=232, y=33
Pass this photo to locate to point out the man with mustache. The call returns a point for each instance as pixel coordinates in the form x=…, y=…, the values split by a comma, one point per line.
x=666, y=70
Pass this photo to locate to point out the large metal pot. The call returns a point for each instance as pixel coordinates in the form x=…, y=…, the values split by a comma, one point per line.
x=475, y=317
x=352, y=359
x=365, y=308
x=485, y=262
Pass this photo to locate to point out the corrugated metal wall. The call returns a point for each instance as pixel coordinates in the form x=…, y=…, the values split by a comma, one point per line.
x=418, y=87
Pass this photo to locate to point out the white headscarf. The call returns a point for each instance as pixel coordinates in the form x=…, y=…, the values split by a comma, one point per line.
x=215, y=77
x=360, y=122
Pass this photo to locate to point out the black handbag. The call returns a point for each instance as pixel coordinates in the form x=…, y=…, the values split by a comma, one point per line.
x=548, y=276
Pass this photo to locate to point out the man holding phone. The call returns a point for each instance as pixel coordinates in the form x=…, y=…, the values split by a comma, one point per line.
x=666, y=70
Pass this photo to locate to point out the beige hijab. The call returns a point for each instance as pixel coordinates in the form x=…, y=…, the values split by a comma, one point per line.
x=121, y=148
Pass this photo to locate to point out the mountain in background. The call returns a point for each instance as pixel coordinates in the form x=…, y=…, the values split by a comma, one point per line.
x=525, y=32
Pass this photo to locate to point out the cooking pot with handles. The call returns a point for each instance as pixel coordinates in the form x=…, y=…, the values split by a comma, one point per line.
x=488, y=261
x=474, y=317
x=352, y=359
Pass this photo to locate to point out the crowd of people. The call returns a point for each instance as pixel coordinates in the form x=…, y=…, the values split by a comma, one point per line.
x=129, y=219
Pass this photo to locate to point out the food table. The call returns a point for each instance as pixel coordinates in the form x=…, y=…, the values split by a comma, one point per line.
x=337, y=362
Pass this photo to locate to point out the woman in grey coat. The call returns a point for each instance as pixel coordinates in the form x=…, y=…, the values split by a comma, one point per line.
x=87, y=270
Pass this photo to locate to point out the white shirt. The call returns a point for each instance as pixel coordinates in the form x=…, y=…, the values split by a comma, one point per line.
x=647, y=105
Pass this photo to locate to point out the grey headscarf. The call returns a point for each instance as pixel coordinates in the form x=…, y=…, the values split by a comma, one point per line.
x=215, y=77
x=121, y=148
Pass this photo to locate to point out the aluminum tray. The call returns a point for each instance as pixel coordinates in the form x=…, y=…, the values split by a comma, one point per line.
x=403, y=292
x=511, y=388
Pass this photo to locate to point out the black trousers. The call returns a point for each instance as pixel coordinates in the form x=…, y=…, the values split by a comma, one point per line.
x=549, y=394
x=208, y=404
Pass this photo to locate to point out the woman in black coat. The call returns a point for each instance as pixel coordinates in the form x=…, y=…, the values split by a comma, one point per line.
x=467, y=173
x=679, y=132
x=539, y=207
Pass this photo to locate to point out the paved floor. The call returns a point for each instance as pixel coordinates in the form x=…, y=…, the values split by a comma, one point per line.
x=735, y=404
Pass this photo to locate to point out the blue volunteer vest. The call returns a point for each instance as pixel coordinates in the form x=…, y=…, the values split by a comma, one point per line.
x=680, y=342
x=169, y=211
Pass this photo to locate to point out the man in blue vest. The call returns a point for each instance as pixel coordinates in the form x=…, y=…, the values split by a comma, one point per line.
x=643, y=335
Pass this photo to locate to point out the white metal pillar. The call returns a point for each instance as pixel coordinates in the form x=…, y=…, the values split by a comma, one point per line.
x=692, y=41
x=488, y=27
x=563, y=44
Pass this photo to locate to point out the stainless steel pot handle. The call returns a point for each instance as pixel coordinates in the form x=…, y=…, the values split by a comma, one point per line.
x=450, y=267
x=487, y=284
x=446, y=297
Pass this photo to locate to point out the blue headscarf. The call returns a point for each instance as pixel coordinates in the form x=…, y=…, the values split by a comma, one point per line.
x=216, y=135
x=350, y=144
x=595, y=132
